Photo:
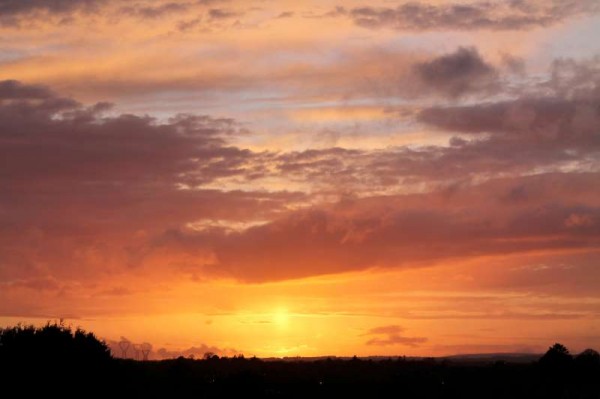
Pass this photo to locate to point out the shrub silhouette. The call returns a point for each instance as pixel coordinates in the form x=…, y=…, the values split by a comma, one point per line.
x=52, y=355
x=51, y=342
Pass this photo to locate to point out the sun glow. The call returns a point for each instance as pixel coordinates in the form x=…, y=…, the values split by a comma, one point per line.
x=281, y=317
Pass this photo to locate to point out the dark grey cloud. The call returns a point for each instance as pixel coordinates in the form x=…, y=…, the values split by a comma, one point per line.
x=514, y=64
x=42, y=141
x=211, y=2
x=562, y=111
x=15, y=90
x=573, y=122
x=149, y=11
x=19, y=12
x=509, y=15
x=463, y=71
x=285, y=14
x=219, y=13
x=186, y=25
x=12, y=7
x=13, y=12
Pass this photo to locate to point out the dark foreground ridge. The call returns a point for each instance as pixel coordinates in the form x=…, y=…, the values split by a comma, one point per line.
x=74, y=363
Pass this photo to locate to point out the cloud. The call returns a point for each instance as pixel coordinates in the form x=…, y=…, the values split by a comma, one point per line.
x=8, y=7
x=198, y=352
x=351, y=73
x=18, y=12
x=549, y=130
x=101, y=177
x=219, y=13
x=458, y=73
x=13, y=11
x=122, y=192
x=213, y=18
x=410, y=231
x=546, y=133
x=579, y=220
x=15, y=90
x=285, y=14
x=37, y=284
x=392, y=335
x=546, y=127
x=134, y=350
x=151, y=12
x=550, y=118
x=510, y=15
x=128, y=146
x=210, y=2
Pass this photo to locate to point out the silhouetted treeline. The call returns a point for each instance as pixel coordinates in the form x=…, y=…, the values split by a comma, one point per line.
x=75, y=363
x=40, y=359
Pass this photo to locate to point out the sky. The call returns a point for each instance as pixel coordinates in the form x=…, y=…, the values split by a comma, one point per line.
x=303, y=178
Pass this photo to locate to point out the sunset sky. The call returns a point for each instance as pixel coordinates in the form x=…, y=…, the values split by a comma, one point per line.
x=283, y=178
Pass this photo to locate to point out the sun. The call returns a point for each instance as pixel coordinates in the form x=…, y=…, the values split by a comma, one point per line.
x=281, y=317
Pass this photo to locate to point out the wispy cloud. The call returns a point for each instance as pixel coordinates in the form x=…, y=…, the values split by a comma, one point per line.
x=392, y=335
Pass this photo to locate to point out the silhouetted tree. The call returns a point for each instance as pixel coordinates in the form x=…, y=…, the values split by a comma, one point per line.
x=587, y=366
x=556, y=371
x=53, y=341
x=52, y=354
x=588, y=357
x=557, y=356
